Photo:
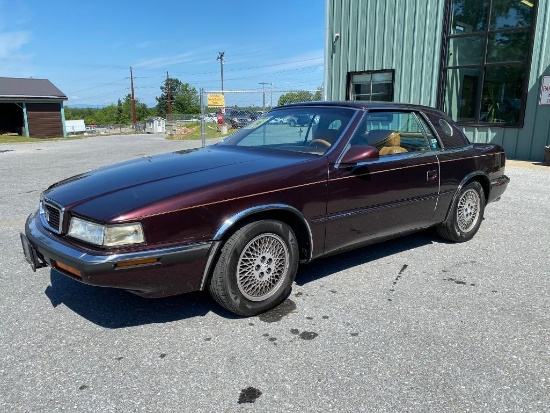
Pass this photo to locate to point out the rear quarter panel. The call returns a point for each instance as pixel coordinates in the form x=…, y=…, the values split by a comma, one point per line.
x=482, y=162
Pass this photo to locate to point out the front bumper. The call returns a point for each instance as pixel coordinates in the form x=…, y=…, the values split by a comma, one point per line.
x=150, y=273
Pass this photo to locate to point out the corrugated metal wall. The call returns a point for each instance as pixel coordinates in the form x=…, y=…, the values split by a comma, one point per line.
x=386, y=34
x=406, y=35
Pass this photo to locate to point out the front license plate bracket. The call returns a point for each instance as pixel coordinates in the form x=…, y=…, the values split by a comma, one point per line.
x=30, y=253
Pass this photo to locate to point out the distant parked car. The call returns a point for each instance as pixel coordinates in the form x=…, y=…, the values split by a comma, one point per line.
x=299, y=119
x=237, y=118
x=237, y=218
x=276, y=121
x=210, y=117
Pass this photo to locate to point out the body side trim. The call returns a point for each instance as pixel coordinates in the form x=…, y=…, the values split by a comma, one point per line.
x=323, y=182
x=368, y=210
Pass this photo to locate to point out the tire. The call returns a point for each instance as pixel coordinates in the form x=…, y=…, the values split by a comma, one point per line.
x=256, y=268
x=466, y=215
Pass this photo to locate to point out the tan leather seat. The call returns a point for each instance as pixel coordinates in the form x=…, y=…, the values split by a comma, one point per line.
x=390, y=144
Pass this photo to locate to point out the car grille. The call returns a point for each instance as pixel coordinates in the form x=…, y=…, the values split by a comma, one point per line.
x=52, y=216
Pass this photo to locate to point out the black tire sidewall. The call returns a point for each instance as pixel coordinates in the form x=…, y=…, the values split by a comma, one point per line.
x=236, y=246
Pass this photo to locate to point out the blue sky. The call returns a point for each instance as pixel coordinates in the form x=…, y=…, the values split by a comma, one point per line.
x=86, y=48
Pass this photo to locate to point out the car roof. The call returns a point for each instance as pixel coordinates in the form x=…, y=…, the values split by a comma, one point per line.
x=364, y=105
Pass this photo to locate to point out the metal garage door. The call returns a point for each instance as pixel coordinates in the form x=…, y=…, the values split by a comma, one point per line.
x=44, y=120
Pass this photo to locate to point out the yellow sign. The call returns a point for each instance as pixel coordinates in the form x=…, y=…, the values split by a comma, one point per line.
x=215, y=100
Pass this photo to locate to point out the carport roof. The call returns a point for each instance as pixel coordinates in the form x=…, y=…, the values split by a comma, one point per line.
x=14, y=88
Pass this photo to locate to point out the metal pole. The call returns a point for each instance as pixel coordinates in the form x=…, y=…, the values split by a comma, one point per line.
x=220, y=58
x=203, y=126
x=169, y=101
x=263, y=85
x=134, y=118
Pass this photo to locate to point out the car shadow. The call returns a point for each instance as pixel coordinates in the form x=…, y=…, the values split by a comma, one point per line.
x=346, y=260
x=112, y=308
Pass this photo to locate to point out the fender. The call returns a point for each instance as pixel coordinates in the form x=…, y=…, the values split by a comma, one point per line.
x=467, y=179
x=229, y=223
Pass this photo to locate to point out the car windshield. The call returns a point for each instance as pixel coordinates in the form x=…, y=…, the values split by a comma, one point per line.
x=308, y=129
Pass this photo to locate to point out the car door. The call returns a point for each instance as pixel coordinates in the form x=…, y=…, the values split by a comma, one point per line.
x=381, y=197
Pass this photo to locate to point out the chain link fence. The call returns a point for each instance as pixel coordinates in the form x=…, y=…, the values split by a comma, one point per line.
x=233, y=109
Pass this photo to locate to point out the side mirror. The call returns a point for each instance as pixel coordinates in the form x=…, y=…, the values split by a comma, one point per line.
x=357, y=154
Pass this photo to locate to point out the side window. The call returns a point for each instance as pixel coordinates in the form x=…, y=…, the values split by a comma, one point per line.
x=392, y=132
x=432, y=140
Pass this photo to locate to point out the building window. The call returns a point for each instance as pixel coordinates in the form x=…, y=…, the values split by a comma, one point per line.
x=488, y=47
x=370, y=85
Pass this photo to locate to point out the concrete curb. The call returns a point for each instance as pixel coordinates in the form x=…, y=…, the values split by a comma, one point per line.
x=527, y=164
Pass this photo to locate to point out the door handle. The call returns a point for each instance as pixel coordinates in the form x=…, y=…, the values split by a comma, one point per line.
x=431, y=175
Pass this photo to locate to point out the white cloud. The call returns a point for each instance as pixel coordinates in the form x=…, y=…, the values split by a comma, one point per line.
x=312, y=58
x=162, y=62
x=11, y=43
x=13, y=62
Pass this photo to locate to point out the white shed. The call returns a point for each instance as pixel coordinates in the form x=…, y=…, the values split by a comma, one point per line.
x=75, y=126
x=155, y=125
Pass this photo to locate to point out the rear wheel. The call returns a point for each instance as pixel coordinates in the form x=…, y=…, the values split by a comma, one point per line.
x=466, y=215
x=256, y=268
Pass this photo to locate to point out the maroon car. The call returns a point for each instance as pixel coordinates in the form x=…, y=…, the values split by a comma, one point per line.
x=237, y=218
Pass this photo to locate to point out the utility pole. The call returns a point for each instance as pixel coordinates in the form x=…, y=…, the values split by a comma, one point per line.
x=220, y=58
x=134, y=119
x=169, y=97
x=263, y=85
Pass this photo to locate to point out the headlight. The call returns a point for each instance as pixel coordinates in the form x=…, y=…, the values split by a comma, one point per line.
x=106, y=235
x=123, y=235
x=86, y=231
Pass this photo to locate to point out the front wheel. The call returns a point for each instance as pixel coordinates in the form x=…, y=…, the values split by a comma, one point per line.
x=466, y=215
x=256, y=268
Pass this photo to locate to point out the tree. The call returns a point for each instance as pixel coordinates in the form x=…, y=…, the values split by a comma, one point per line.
x=107, y=115
x=119, y=113
x=300, y=96
x=142, y=111
x=318, y=95
x=183, y=97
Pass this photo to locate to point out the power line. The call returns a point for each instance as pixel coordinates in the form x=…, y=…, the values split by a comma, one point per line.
x=99, y=96
x=101, y=84
x=221, y=57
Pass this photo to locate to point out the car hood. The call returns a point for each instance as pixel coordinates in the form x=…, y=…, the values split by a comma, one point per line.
x=108, y=193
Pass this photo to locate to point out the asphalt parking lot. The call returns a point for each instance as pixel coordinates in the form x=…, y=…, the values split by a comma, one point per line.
x=414, y=324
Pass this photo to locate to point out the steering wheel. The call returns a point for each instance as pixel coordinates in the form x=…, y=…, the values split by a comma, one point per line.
x=322, y=141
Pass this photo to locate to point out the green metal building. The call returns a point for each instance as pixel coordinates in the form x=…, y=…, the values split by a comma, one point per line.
x=484, y=62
